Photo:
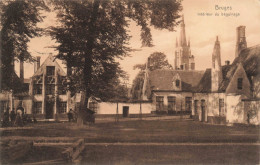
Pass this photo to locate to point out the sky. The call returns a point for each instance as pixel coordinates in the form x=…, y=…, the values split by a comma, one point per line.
x=201, y=30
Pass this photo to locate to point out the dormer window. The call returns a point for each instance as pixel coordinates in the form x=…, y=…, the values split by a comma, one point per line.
x=177, y=83
x=240, y=83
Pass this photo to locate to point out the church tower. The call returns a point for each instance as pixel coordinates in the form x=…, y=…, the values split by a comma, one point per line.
x=216, y=72
x=183, y=58
x=241, y=40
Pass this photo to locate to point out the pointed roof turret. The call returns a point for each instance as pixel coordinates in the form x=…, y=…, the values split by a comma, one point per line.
x=182, y=33
x=216, y=56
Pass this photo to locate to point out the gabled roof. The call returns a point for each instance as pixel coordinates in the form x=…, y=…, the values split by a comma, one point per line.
x=205, y=82
x=50, y=61
x=249, y=58
x=162, y=79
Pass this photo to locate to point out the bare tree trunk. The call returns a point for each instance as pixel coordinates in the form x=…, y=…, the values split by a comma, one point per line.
x=82, y=109
x=88, y=62
x=69, y=73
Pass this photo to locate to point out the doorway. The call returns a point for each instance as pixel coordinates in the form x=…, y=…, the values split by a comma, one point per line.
x=49, y=110
x=203, y=106
x=125, y=111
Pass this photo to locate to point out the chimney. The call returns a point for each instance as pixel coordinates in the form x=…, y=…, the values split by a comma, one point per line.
x=241, y=40
x=21, y=70
x=227, y=62
x=37, y=63
x=191, y=63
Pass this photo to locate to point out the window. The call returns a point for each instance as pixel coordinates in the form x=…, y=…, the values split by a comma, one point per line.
x=203, y=103
x=177, y=82
x=50, y=79
x=196, y=104
x=50, y=70
x=62, y=90
x=37, y=107
x=93, y=106
x=188, y=104
x=221, y=107
x=37, y=89
x=171, y=103
x=159, y=103
x=63, y=107
x=50, y=89
x=239, y=83
x=38, y=79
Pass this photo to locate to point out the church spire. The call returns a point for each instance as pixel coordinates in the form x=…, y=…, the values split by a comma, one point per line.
x=182, y=33
x=216, y=71
x=189, y=42
x=176, y=42
x=216, y=57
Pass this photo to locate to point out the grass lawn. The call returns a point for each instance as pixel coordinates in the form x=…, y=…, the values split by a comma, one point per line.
x=171, y=155
x=145, y=154
x=142, y=132
x=137, y=131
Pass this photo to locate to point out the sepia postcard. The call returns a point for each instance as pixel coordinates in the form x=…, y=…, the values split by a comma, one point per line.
x=130, y=82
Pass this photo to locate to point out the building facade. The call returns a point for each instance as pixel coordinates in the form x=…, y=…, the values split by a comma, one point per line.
x=221, y=94
x=226, y=93
x=48, y=89
x=45, y=95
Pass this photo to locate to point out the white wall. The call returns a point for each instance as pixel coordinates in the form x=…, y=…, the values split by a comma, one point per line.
x=134, y=108
x=252, y=107
x=235, y=109
x=213, y=103
x=180, y=99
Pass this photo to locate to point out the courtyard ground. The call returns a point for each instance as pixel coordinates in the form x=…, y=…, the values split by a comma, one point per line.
x=155, y=141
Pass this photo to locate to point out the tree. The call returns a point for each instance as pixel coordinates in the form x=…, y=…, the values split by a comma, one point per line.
x=136, y=90
x=19, y=20
x=157, y=60
x=94, y=33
